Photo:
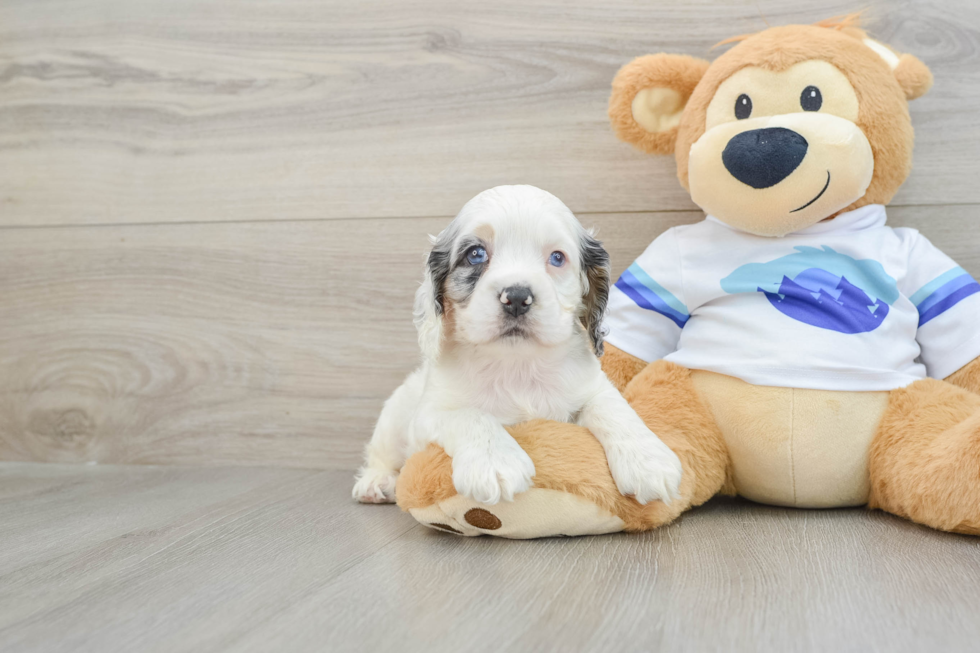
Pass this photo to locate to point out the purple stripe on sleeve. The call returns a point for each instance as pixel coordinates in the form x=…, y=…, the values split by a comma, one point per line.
x=643, y=302
x=948, y=302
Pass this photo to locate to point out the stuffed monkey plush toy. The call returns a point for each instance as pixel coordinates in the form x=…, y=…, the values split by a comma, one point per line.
x=791, y=348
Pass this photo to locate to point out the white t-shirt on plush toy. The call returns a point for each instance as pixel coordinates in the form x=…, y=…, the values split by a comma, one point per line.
x=847, y=304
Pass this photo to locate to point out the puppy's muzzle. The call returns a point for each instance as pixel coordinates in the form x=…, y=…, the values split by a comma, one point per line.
x=516, y=300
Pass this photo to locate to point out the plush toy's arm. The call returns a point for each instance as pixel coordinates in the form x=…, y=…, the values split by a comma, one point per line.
x=621, y=367
x=574, y=492
x=967, y=377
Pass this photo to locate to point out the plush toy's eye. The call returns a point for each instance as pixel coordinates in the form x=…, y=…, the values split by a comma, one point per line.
x=743, y=107
x=557, y=259
x=476, y=255
x=811, y=99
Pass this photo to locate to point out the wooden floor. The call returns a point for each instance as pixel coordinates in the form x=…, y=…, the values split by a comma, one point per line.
x=147, y=558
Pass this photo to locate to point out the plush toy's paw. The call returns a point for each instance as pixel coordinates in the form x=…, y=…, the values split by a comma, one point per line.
x=375, y=486
x=645, y=468
x=535, y=513
x=574, y=493
x=489, y=477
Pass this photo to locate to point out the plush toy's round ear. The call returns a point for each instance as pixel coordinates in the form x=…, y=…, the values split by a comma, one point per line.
x=913, y=76
x=648, y=99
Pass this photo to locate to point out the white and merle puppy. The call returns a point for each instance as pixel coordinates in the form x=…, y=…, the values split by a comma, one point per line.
x=509, y=319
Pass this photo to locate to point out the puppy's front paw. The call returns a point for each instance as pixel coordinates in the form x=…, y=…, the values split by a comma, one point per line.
x=375, y=486
x=488, y=477
x=645, y=468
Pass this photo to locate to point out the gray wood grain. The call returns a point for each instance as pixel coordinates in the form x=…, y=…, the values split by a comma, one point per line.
x=266, y=343
x=125, y=111
x=191, y=559
x=257, y=344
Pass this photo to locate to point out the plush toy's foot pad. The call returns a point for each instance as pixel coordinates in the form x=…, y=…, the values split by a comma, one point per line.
x=535, y=513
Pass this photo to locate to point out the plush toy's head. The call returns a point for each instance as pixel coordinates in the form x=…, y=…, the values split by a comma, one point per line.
x=790, y=127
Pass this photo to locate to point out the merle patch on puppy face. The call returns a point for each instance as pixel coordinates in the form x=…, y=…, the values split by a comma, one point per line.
x=439, y=265
x=467, y=268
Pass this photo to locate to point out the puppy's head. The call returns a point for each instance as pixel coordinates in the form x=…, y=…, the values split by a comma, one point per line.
x=514, y=269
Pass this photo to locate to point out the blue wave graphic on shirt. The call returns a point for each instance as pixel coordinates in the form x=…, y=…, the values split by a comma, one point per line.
x=822, y=288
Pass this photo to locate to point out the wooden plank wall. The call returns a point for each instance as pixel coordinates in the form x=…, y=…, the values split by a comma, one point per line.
x=213, y=213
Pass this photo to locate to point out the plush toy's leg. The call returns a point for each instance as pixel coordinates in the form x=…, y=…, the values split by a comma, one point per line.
x=967, y=377
x=620, y=368
x=664, y=397
x=925, y=459
x=574, y=493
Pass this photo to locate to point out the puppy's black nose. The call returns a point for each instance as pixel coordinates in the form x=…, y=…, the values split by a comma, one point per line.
x=764, y=157
x=516, y=300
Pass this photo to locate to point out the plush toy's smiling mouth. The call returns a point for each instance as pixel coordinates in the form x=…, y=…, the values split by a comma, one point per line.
x=819, y=195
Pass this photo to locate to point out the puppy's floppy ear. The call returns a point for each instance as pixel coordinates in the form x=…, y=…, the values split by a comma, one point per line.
x=429, y=298
x=648, y=98
x=596, y=276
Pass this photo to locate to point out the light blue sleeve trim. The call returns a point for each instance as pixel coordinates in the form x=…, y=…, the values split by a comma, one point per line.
x=944, y=291
x=931, y=287
x=664, y=294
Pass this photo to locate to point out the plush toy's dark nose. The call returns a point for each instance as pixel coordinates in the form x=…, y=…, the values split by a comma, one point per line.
x=516, y=300
x=764, y=157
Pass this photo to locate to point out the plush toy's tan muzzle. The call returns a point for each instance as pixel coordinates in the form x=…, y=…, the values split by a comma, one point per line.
x=774, y=175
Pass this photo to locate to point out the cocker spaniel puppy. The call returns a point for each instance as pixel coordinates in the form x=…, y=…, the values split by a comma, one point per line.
x=510, y=324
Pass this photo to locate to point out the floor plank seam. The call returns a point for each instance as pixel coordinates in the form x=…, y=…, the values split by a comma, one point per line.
x=272, y=221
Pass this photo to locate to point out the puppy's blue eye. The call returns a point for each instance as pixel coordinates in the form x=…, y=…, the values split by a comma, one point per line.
x=476, y=255
x=557, y=259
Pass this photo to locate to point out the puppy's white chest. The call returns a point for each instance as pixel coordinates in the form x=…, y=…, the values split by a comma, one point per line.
x=519, y=399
